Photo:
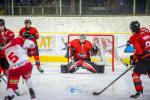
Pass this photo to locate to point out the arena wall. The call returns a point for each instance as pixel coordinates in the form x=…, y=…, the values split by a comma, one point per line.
x=52, y=27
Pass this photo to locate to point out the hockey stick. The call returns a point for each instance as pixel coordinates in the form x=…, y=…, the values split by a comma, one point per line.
x=1, y=76
x=98, y=93
x=3, y=79
x=122, y=46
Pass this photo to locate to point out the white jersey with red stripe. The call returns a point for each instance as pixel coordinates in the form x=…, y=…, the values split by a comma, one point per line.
x=16, y=51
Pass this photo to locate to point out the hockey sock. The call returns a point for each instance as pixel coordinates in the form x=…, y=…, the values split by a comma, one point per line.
x=10, y=92
x=137, y=81
x=29, y=82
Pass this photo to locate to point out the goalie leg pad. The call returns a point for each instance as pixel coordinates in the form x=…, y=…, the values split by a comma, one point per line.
x=72, y=67
x=68, y=68
x=98, y=68
x=63, y=68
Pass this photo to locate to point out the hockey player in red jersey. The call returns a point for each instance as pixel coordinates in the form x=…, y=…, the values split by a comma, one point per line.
x=34, y=36
x=141, y=57
x=16, y=55
x=5, y=36
x=80, y=52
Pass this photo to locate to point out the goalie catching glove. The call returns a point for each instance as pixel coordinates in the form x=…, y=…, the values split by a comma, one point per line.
x=94, y=50
x=27, y=35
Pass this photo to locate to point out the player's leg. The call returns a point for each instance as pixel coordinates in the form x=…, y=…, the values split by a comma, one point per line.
x=92, y=67
x=31, y=90
x=148, y=71
x=0, y=72
x=27, y=71
x=137, y=84
x=5, y=66
x=37, y=60
x=13, y=79
x=149, y=74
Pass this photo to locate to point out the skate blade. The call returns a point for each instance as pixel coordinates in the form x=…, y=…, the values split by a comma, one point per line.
x=139, y=98
x=33, y=98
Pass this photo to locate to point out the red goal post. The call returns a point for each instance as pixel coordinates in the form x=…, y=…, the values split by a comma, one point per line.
x=105, y=42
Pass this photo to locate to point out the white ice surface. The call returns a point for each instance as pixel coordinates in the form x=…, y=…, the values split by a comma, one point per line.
x=53, y=85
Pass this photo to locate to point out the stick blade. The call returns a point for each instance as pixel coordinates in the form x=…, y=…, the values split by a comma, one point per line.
x=96, y=93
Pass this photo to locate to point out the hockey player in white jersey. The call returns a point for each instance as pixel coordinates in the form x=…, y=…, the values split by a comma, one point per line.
x=16, y=54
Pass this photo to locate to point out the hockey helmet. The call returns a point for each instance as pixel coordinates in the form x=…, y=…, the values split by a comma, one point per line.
x=135, y=26
x=27, y=21
x=2, y=22
x=82, y=38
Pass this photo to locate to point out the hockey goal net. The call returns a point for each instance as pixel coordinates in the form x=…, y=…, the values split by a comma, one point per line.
x=105, y=43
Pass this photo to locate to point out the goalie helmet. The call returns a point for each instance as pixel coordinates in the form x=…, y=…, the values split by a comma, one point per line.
x=82, y=38
x=135, y=26
x=2, y=22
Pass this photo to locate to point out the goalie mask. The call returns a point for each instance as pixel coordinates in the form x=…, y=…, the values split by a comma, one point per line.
x=82, y=38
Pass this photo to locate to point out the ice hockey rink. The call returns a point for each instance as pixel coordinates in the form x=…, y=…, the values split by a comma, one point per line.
x=53, y=85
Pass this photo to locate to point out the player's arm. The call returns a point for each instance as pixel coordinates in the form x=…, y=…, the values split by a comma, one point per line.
x=36, y=34
x=70, y=50
x=21, y=32
x=137, y=54
x=8, y=36
x=28, y=44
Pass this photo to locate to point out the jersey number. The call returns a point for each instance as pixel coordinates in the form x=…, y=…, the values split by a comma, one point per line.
x=13, y=57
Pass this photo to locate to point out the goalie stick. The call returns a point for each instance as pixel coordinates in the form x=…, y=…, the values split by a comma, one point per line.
x=98, y=93
x=65, y=44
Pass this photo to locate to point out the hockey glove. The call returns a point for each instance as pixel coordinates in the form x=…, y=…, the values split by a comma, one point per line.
x=27, y=35
x=133, y=60
x=128, y=43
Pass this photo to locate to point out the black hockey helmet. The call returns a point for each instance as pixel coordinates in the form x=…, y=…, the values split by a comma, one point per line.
x=135, y=26
x=27, y=21
x=2, y=22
